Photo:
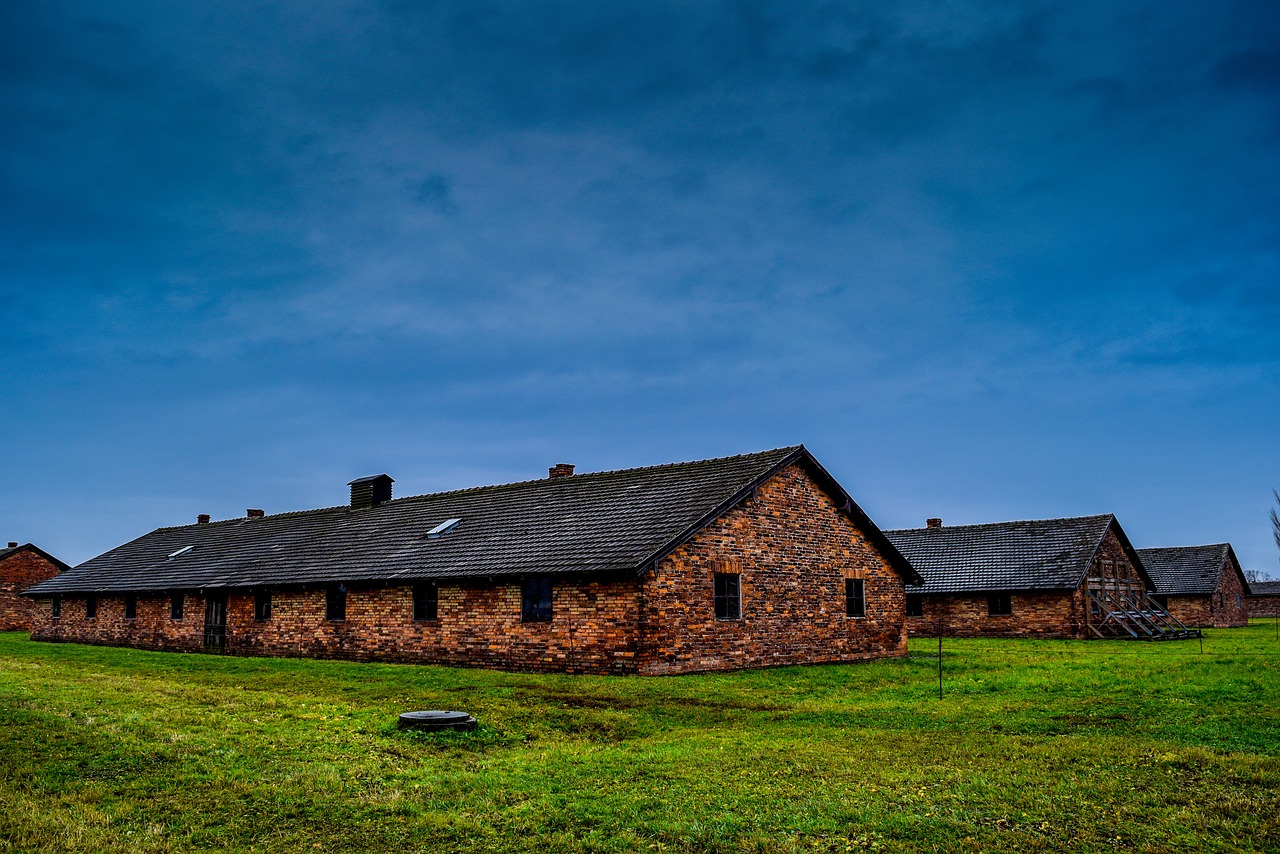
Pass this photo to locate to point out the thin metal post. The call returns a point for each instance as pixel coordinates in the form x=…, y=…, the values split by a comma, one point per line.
x=939, y=663
x=1202, y=637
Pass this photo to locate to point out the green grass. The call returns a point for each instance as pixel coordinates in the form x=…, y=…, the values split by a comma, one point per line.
x=1036, y=746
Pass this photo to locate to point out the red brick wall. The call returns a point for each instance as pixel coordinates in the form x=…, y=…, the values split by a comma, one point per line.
x=1263, y=606
x=1035, y=615
x=19, y=571
x=592, y=627
x=794, y=549
x=793, y=546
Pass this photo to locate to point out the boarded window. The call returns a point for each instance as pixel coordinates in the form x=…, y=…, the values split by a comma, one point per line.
x=262, y=606
x=728, y=595
x=426, y=601
x=335, y=602
x=131, y=607
x=90, y=607
x=56, y=606
x=999, y=605
x=915, y=605
x=855, y=599
x=176, y=606
x=535, y=600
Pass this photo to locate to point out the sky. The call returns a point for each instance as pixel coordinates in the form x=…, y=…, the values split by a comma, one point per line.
x=987, y=260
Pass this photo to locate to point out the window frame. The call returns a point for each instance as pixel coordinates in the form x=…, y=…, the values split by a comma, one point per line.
x=426, y=602
x=335, y=603
x=999, y=604
x=726, y=596
x=534, y=608
x=855, y=599
x=55, y=607
x=918, y=600
x=262, y=606
x=91, y=607
x=131, y=606
x=177, y=606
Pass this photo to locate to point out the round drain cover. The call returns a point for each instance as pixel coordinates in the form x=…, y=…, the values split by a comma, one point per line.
x=432, y=720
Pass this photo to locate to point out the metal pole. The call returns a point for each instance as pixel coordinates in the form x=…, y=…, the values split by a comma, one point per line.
x=939, y=663
x=1202, y=637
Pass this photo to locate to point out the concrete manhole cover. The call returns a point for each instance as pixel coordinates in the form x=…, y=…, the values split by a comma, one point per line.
x=437, y=720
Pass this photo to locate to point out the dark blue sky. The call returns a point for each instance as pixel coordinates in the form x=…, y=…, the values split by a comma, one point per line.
x=989, y=261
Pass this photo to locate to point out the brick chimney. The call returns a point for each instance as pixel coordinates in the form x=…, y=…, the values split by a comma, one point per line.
x=253, y=513
x=370, y=491
x=560, y=470
x=13, y=544
x=202, y=519
x=933, y=523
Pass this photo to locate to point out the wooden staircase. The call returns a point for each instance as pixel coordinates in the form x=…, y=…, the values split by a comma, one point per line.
x=1129, y=613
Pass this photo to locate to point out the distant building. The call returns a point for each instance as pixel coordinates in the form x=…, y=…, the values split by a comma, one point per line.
x=748, y=561
x=1200, y=585
x=1264, y=599
x=1047, y=578
x=22, y=566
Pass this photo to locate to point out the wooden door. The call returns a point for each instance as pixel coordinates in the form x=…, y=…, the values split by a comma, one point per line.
x=215, y=623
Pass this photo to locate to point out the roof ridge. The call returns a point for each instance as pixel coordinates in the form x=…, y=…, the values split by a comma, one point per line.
x=998, y=524
x=494, y=486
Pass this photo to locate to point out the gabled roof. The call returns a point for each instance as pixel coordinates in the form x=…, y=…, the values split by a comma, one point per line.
x=618, y=521
x=1190, y=570
x=30, y=547
x=1264, y=588
x=1042, y=554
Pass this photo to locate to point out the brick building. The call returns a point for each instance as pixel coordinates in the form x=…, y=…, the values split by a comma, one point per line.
x=1200, y=585
x=22, y=566
x=755, y=560
x=1263, y=599
x=1048, y=578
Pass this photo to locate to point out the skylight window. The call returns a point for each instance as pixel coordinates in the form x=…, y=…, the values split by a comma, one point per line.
x=443, y=528
x=180, y=552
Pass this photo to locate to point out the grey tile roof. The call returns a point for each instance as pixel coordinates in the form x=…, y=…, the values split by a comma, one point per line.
x=1188, y=570
x=1264, y=588
x=619, y=521
x=1044, y=554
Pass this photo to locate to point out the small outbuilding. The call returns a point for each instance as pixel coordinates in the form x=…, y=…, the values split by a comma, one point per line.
x=747, y=561
x=1045, y=578
x=21, y=567
x=1263, y=599
x=1200, y=585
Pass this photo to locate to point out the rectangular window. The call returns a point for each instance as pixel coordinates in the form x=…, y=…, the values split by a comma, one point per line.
x=999, y=605
x=90, y=607
x=176, y=606
x=56, y=606
x=915, y=605
x=728, y=596
x=262, y=606
x=855, y=600
x=130, y=607
x=535, y=600
x=426, y=602
x=335, y=603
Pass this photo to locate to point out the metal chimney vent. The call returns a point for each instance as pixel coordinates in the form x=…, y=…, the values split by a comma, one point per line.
x=370, y=491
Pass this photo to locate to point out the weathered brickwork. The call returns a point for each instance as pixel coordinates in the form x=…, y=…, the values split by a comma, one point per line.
x=592, y=628
x=1263, y=606
x=1225, y=608
x=791, y=544
x=793, y=549
x=1033, y=615
x=18, y=571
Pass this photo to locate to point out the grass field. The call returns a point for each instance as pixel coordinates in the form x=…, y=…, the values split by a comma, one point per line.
x=1036, y=746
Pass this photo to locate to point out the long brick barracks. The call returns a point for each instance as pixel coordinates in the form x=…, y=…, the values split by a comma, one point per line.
x=754, y=560
x=747, y=561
